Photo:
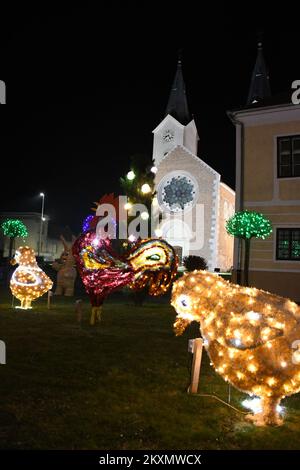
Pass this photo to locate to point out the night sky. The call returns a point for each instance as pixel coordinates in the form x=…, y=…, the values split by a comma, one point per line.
x=86, y=87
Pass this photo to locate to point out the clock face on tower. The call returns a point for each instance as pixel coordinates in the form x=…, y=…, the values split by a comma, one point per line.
x=168, y=135
x=177, y=192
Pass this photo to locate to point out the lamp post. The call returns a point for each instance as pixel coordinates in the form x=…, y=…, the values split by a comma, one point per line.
x=42, y=195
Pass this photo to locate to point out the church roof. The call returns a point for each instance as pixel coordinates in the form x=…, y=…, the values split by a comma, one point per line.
x=178, y=151
x=260, y=85
x=177, y=105
x=275, y=101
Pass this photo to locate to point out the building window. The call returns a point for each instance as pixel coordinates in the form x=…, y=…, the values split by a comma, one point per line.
x=288, y=152
x=288, y=244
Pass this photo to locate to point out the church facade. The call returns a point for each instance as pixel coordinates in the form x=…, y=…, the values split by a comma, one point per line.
x=193, y=201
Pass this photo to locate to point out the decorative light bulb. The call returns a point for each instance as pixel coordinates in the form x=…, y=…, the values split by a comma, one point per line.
x=253, y=315
x=146, y=189
x=145, y=215
x=130, y=175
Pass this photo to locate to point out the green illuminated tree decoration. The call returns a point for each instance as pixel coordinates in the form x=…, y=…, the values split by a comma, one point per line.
x=13, y=228
x=247, y=225
x=138, y=186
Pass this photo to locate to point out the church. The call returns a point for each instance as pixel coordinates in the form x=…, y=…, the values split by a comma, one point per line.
x=193, y=201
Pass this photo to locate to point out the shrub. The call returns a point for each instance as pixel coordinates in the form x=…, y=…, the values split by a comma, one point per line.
x=193, y=262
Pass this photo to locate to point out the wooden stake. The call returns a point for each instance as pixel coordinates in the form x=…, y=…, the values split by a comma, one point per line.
x=197, y=346
x=49, y=299
x=2, y=352
x=78, y=310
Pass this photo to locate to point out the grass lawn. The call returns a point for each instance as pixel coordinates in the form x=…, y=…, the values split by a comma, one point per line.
x=120, y=385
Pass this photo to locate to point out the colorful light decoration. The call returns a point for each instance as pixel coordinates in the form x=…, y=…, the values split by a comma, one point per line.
x=13, y=228
x=87, y=223
x=248, y=224
x=28, y=281
x=150, y=262
x=250, y=335
x=155, y=264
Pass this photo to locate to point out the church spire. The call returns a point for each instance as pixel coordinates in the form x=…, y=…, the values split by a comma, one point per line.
x=260, y=86
x=177, y=105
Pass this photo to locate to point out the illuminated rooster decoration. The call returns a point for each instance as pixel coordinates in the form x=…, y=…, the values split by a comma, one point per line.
x=150, y=262
x=28, y=281
x=251, y=336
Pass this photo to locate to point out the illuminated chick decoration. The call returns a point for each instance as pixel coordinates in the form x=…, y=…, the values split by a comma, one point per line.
x=28, y=281
x=150, y=262
x=251, y=336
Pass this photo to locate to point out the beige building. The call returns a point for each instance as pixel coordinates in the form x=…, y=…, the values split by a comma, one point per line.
x=193, y=201
x=268, y=181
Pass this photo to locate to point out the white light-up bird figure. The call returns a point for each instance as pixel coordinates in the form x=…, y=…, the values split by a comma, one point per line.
x=28, y=281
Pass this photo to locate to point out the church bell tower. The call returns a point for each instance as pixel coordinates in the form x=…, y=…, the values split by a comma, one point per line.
x=177, y=127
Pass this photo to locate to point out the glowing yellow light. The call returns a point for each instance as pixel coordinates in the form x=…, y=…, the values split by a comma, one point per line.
x=146, y=189
x=253, y=315
x=127, y=206
x=28, y=281
x=232, y=353
x=145, y=215
x=271, y=381
x=252, y=368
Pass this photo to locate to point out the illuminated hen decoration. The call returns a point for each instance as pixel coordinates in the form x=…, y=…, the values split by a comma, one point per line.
x=150, y=262
x=28, y=281
x=251, y=336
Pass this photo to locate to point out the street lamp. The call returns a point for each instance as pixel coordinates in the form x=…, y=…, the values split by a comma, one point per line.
x=42, y=195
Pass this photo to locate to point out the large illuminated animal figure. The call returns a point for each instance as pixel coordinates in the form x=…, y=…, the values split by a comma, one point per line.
x=251, y=336
x=151, y=262
x=28, y=281
x=66, y=271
